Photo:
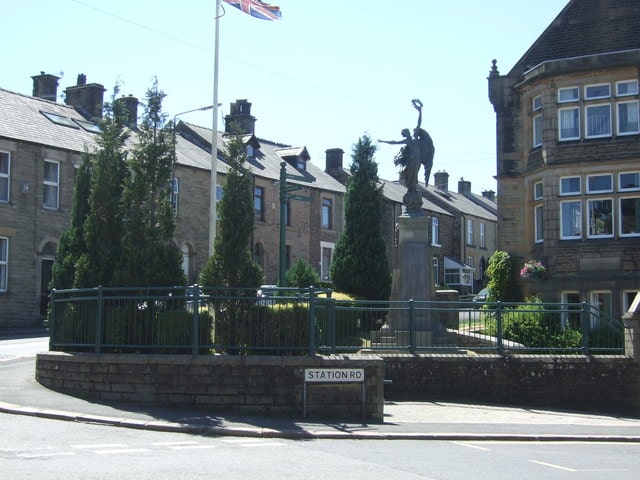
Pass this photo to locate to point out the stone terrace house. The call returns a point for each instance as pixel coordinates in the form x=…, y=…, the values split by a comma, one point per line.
x=41, y=145
x=463, y=226
x=568, y=159
x=312, y=227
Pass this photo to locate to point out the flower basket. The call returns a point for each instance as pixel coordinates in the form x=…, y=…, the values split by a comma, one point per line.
x=533, y=270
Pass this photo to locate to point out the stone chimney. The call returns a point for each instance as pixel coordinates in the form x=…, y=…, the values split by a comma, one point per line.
x=128, y=111
x=45, y=86
x=464, y=186
x=441, y=181
x=240, y=121
x=490, y=194
x=87, y=99
x=334, y=159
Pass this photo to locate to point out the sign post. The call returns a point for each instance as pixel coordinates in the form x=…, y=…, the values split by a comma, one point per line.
x=334, y=376
x=285, y=195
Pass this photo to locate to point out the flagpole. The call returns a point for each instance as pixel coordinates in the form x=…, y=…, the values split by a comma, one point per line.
x=213, y=207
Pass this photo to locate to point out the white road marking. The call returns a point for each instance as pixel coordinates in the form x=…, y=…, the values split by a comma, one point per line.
x=192, y=447
x=90, y=446
x=119, y=451
x=462, y=444
x=559, y=467
x=170, y=444
x=45, y=455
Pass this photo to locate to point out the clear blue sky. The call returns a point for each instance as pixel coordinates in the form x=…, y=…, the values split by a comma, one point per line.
x=324, y=75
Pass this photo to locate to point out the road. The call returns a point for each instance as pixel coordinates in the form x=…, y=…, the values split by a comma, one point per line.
x=22, y=347
x=37, y=449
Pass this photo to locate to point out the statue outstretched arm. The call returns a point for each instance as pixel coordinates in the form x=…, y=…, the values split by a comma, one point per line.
x=393, y=142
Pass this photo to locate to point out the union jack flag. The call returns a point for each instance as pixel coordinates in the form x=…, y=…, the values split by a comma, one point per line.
x=257, y=9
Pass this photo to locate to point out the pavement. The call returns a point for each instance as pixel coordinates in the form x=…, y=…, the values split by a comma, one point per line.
x=20, y=394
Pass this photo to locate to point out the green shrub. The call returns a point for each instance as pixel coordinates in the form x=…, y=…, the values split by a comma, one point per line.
x=302, y=275
x=175, y=329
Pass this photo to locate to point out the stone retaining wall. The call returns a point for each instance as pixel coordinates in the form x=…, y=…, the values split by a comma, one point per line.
x=244, y=384
x=274, y=385
x=598, y=383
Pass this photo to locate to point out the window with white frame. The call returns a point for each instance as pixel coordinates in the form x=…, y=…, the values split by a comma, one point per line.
x=630, y=217
x=568, y=94
x=258, y=203
x=570, y=220
x=594, y=92
x=626, y=87
x=629, y=181
x=570, y=186
x=598, y=120
x=537, y=191
x=600, y=213
x=569, y=123
x=436, y=270
x=537, y=121
x=469, y=232
x=572, y=315
x=51, y=184
x=598, y=111
x=435, y=231
x=600, y=183
x=327, y=213
x=4, y=263
x=173, y=195
x=538, y=212
x=628, y=123
x=603, y=301
x=326, y=254
x=483, y=240
x=5, y=165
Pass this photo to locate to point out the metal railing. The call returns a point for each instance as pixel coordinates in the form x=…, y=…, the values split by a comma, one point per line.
x=287, y=321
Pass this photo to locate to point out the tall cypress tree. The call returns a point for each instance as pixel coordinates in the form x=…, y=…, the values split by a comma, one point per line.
x=232, y=263
x=149, y=255
x=102, y=231
x=360, y=266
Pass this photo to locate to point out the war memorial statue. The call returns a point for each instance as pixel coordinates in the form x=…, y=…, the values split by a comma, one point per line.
x=412, y=258
x=417, y=150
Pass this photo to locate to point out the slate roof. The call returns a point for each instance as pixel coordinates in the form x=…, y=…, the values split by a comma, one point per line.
x=586, y=27
x=475, y=206
x=265, y=163
x=394, y=191
x=21, y=119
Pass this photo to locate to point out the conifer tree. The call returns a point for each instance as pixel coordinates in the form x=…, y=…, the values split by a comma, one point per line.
x=232, y=263
x=149, y=256
x=72, y=244
x=360, y=266
x=102, y=230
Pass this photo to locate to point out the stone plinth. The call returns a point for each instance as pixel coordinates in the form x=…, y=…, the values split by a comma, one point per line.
x=413, y=279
